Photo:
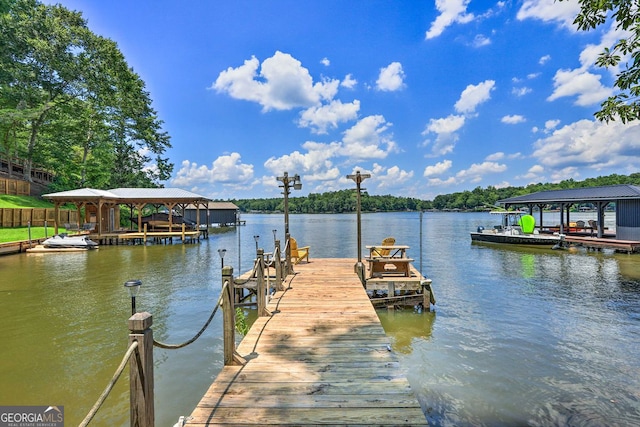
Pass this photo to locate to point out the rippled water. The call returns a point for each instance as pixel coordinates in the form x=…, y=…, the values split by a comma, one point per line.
x=518, y=337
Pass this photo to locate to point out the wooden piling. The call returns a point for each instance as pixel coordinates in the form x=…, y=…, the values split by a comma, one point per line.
x=141, y=371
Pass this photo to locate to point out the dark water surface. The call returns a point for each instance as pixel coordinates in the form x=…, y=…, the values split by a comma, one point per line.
x=518, y=337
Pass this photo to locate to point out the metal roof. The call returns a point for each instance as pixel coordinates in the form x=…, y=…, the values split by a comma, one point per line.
x=217, y=206
x=121, y=195
x=609, y=193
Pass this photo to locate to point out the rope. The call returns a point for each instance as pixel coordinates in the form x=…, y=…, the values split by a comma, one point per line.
x=184, y=344
x=133, y=347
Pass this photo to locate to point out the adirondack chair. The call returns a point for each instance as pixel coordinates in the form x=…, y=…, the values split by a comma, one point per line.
x=378, y=252
x=298, y=253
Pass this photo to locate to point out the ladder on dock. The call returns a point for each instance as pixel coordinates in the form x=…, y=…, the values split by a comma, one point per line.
x=322, y=357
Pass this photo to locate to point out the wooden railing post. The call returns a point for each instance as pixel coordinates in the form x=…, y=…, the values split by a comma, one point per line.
x=141, y=387
x=277, y=263
x=231, y=357
x=261, y=289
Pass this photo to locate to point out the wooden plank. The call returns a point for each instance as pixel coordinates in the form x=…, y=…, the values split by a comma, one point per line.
x=321, y=358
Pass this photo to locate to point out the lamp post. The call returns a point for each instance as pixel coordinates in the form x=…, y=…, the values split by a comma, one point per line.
x=221, y=252
x=358, y=178
x=133, y=286
x=256, y=238
x=287, y=183
x=274, y=236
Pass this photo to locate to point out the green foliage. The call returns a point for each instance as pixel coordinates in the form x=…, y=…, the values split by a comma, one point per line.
x=70, y=102
x=19, y=234
x=625, y=53
x=241, y=322
x=12, y=202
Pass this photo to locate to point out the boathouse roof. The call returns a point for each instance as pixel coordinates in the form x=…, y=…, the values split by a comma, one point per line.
x=609, y=193
x=128, y=195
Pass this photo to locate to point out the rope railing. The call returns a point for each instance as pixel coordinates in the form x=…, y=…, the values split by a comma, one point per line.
x=206, y=325
x=133, y=347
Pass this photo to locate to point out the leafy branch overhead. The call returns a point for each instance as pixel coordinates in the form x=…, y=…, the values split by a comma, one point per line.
x=70, y=102
x=625, y=54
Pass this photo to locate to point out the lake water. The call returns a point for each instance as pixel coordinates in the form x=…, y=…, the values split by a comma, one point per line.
x=518, y=336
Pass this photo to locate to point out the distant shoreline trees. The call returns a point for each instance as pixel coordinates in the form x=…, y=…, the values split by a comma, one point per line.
x=478, y=199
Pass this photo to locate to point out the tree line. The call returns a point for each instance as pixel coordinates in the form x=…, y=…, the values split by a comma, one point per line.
x=70, y=103
x=478, y=199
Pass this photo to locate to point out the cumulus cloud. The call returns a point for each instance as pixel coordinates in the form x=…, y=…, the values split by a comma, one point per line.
x=368, y=139
x=445, y=129
x=281, y=83
x=225, y=169
x=451, y=11
x=544, y=59
x=562, y=13
x=521, y=91
x=316, y=159
x=328, y=116
x=391, y=78
x=584, y=85
x=393, y=177
x=513, y=119
x=437, y=169
x=481, y=40
x=478, y=170
x=590, y=144
x=474, y=95
x=349, y=82
x=325, y=62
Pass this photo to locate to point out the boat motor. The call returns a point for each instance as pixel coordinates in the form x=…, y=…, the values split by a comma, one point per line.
x=480, y=229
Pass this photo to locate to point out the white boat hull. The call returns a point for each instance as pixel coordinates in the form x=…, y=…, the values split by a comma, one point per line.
x=64, y=241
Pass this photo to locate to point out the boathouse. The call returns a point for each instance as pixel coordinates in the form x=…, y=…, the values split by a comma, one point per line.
x=101, y=207
x=626, y=199
x=220, y=213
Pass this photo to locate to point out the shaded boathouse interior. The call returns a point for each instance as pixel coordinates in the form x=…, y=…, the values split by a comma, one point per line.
x=624, y=198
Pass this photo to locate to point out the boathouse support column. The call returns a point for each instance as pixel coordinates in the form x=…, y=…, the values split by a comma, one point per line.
x=141, y=371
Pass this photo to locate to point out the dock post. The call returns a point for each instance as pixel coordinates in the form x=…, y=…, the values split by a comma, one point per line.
x=426, y=294
x=141, y=371
x=277, y=261
x=231, y=357
x=261, y=289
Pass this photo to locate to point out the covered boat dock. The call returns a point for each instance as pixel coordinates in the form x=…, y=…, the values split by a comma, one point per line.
x=627, y=214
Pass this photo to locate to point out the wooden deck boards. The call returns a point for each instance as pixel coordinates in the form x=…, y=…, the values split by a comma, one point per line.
x=321, y=359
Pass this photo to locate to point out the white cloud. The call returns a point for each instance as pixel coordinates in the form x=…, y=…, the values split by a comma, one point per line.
x=445, y=129
x=481, y=40
x=474, y=95
x=562, y=13
x=495, y=156
x=477, y=170
x=521, y=91
x=583, y=84
x=391, y=78
x=367, y=139
x=325, y=62
x=349, y=82
x=591, y=144
x=321, y=118
x=544, y=59
x=225, y=169
x=282, y=83
x=393, y=177
x=315, y=161
x=437, y=169
x=513, y=119
x=451, y=11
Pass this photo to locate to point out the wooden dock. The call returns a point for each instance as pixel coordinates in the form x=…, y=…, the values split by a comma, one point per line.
x=321, y=358
x=629, y=246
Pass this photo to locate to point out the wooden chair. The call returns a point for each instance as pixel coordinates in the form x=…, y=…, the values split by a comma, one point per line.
x=298, y=253
x=387, y=241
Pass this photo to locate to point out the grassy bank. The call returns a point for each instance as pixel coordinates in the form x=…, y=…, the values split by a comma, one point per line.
x=22, y=233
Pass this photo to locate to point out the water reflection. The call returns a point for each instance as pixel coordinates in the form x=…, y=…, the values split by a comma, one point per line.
x=404, y=326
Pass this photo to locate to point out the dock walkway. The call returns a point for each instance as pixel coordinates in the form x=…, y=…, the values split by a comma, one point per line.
x=322, y=358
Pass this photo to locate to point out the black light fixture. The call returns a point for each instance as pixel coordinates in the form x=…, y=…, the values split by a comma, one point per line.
x=222, y=252
x=274, y=236
x=133, y=286
x=287, y=183
x=256, y=238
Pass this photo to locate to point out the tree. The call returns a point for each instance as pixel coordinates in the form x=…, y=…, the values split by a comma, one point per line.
x=624, y=105
x=69, y=101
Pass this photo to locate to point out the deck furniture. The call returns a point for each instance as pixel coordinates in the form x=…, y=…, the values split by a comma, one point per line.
x=395, y=261
x=298, y=253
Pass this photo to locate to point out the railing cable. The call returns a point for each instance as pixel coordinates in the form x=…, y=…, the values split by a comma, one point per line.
x=133, y=347
x=186, y=343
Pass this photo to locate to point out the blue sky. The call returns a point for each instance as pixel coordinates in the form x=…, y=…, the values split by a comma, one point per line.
x=429, y=97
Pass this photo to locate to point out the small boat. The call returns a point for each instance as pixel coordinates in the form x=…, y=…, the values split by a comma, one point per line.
x=66, y=241
x=517, y=228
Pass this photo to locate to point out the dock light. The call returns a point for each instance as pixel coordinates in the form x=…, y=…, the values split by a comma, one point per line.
x=274, y=236
x=221, y=252
x=134, y=287
x=358, y=178
x=256, y=238
x=287, y=183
